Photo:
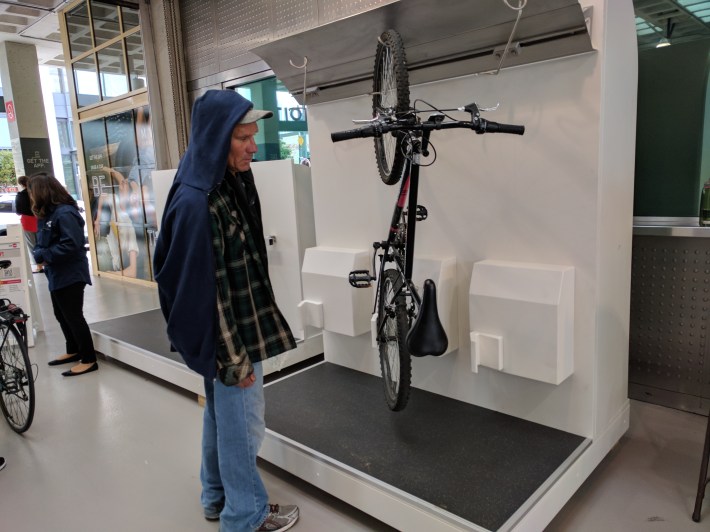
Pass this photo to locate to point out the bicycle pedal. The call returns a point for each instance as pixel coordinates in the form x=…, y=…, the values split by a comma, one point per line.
x=422, y=213
x=360, y=279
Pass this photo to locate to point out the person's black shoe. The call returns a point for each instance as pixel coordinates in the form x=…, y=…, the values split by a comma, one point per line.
x=71, y=373
x=67, y=360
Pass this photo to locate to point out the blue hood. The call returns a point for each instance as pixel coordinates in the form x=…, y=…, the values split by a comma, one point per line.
x=214, y=117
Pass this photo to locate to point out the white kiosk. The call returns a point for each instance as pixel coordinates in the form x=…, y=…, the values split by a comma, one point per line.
x=540, y=230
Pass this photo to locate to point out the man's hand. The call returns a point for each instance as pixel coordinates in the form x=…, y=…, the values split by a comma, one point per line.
x=247, y=381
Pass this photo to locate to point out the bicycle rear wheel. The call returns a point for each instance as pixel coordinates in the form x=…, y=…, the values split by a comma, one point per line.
x=17, y=387
x=390, y=97
x=395, y=362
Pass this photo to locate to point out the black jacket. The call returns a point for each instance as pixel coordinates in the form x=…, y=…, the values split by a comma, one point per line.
x=23, y=205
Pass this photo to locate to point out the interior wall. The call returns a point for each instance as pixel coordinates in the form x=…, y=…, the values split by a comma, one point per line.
x=539, y=198
x=672, y=91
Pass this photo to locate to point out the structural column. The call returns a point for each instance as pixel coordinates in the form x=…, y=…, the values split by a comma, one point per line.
x=22, y=89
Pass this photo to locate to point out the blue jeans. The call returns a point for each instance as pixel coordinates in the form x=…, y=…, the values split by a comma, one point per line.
x=232, y=434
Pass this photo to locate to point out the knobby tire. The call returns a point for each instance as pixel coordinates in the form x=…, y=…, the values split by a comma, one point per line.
x=395, y=361
x=390, y=95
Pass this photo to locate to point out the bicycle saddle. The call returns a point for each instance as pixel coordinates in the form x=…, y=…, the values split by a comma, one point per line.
x=427, y=336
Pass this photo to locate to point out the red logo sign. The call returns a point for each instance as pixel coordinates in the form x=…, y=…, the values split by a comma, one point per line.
x=10, y=110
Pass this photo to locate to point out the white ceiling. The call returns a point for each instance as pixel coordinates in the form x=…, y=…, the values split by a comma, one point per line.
x=34, y=22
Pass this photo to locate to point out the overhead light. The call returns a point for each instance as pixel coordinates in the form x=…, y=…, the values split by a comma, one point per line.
x=666, y=39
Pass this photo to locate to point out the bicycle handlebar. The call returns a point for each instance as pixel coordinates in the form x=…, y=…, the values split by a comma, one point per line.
x=479, y=125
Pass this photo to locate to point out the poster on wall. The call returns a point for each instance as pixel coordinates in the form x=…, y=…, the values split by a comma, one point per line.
x=120, y=159
x=36, y=155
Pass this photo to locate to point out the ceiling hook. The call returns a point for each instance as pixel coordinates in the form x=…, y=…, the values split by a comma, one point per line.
x=305, y=62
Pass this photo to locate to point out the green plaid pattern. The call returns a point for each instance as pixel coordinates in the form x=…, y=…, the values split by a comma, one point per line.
x=251, y=327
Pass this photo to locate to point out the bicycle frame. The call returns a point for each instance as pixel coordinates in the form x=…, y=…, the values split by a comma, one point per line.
x=409, y=194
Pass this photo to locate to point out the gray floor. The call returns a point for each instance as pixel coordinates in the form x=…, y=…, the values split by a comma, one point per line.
x=117, y=451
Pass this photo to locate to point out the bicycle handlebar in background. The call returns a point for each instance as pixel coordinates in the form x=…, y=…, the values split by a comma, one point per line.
x=480, y=126
x=361, y=132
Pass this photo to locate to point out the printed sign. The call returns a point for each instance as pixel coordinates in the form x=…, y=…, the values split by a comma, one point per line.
x=36, y=155
x=10, y=110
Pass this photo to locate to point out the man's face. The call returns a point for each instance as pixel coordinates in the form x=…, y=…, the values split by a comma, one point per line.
x=243, y=147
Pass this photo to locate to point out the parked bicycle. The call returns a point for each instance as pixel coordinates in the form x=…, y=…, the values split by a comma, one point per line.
x=408, y=323
x=17, y=390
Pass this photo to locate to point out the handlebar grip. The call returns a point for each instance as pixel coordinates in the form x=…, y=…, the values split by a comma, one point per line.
x=495, y=127
x=361, y=132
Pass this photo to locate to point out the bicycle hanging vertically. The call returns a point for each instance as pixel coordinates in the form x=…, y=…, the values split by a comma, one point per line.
x=407, y=324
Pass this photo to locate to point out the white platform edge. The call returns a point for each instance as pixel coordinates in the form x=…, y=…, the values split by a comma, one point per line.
x=178, y=373
x=403, y=511
x=374, y=497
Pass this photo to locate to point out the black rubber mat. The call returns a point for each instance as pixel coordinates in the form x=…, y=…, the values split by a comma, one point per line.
x=145, y=330
x=475, y=463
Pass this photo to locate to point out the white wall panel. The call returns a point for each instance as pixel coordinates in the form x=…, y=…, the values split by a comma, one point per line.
x=561, y=194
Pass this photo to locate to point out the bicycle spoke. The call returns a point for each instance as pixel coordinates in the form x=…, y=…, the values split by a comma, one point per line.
x=16, y=381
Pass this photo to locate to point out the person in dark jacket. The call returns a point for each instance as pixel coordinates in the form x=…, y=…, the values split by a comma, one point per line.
x=60, y=250
x=211, y=267
x=28, y=221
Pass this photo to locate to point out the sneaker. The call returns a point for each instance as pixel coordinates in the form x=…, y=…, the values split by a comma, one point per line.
x=280, y=518
x=2, y=462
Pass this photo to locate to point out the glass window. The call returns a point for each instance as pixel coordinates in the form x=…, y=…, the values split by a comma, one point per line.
x=79, y=30
x=5, y=142
x=112, y=69
x=86, y=81
x=105, y=19
x=136, y=63
x=130, y=18
x=285, y=136
x=55, y=80
x=119, y=161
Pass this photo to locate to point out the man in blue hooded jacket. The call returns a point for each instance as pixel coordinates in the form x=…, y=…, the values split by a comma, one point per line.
x=211, y=267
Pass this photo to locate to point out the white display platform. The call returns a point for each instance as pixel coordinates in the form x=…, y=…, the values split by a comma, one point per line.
x=178, y=373
x=562, y=194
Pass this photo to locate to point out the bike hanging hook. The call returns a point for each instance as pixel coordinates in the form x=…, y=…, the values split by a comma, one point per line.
x=303, y=67
x=519, y=9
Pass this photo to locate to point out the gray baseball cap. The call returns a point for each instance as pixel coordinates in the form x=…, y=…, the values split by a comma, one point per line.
x=255, y=114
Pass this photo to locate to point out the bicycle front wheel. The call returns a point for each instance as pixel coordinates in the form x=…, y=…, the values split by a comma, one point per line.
x=390, y=97
x=395, y=361
x=17, y=387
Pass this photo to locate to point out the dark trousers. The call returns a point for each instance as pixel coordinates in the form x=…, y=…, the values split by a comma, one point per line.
x=68, y=303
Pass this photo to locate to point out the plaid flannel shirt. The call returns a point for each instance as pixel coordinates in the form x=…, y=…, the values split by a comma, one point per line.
x=251, y=327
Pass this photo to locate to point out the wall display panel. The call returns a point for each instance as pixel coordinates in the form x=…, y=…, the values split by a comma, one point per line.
x=105, y=21
x=218, y=34
x=293, y=16
x=199, y=28
x=112, y=71
x=254, y=28
x=331, y=10
x=119, y=160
